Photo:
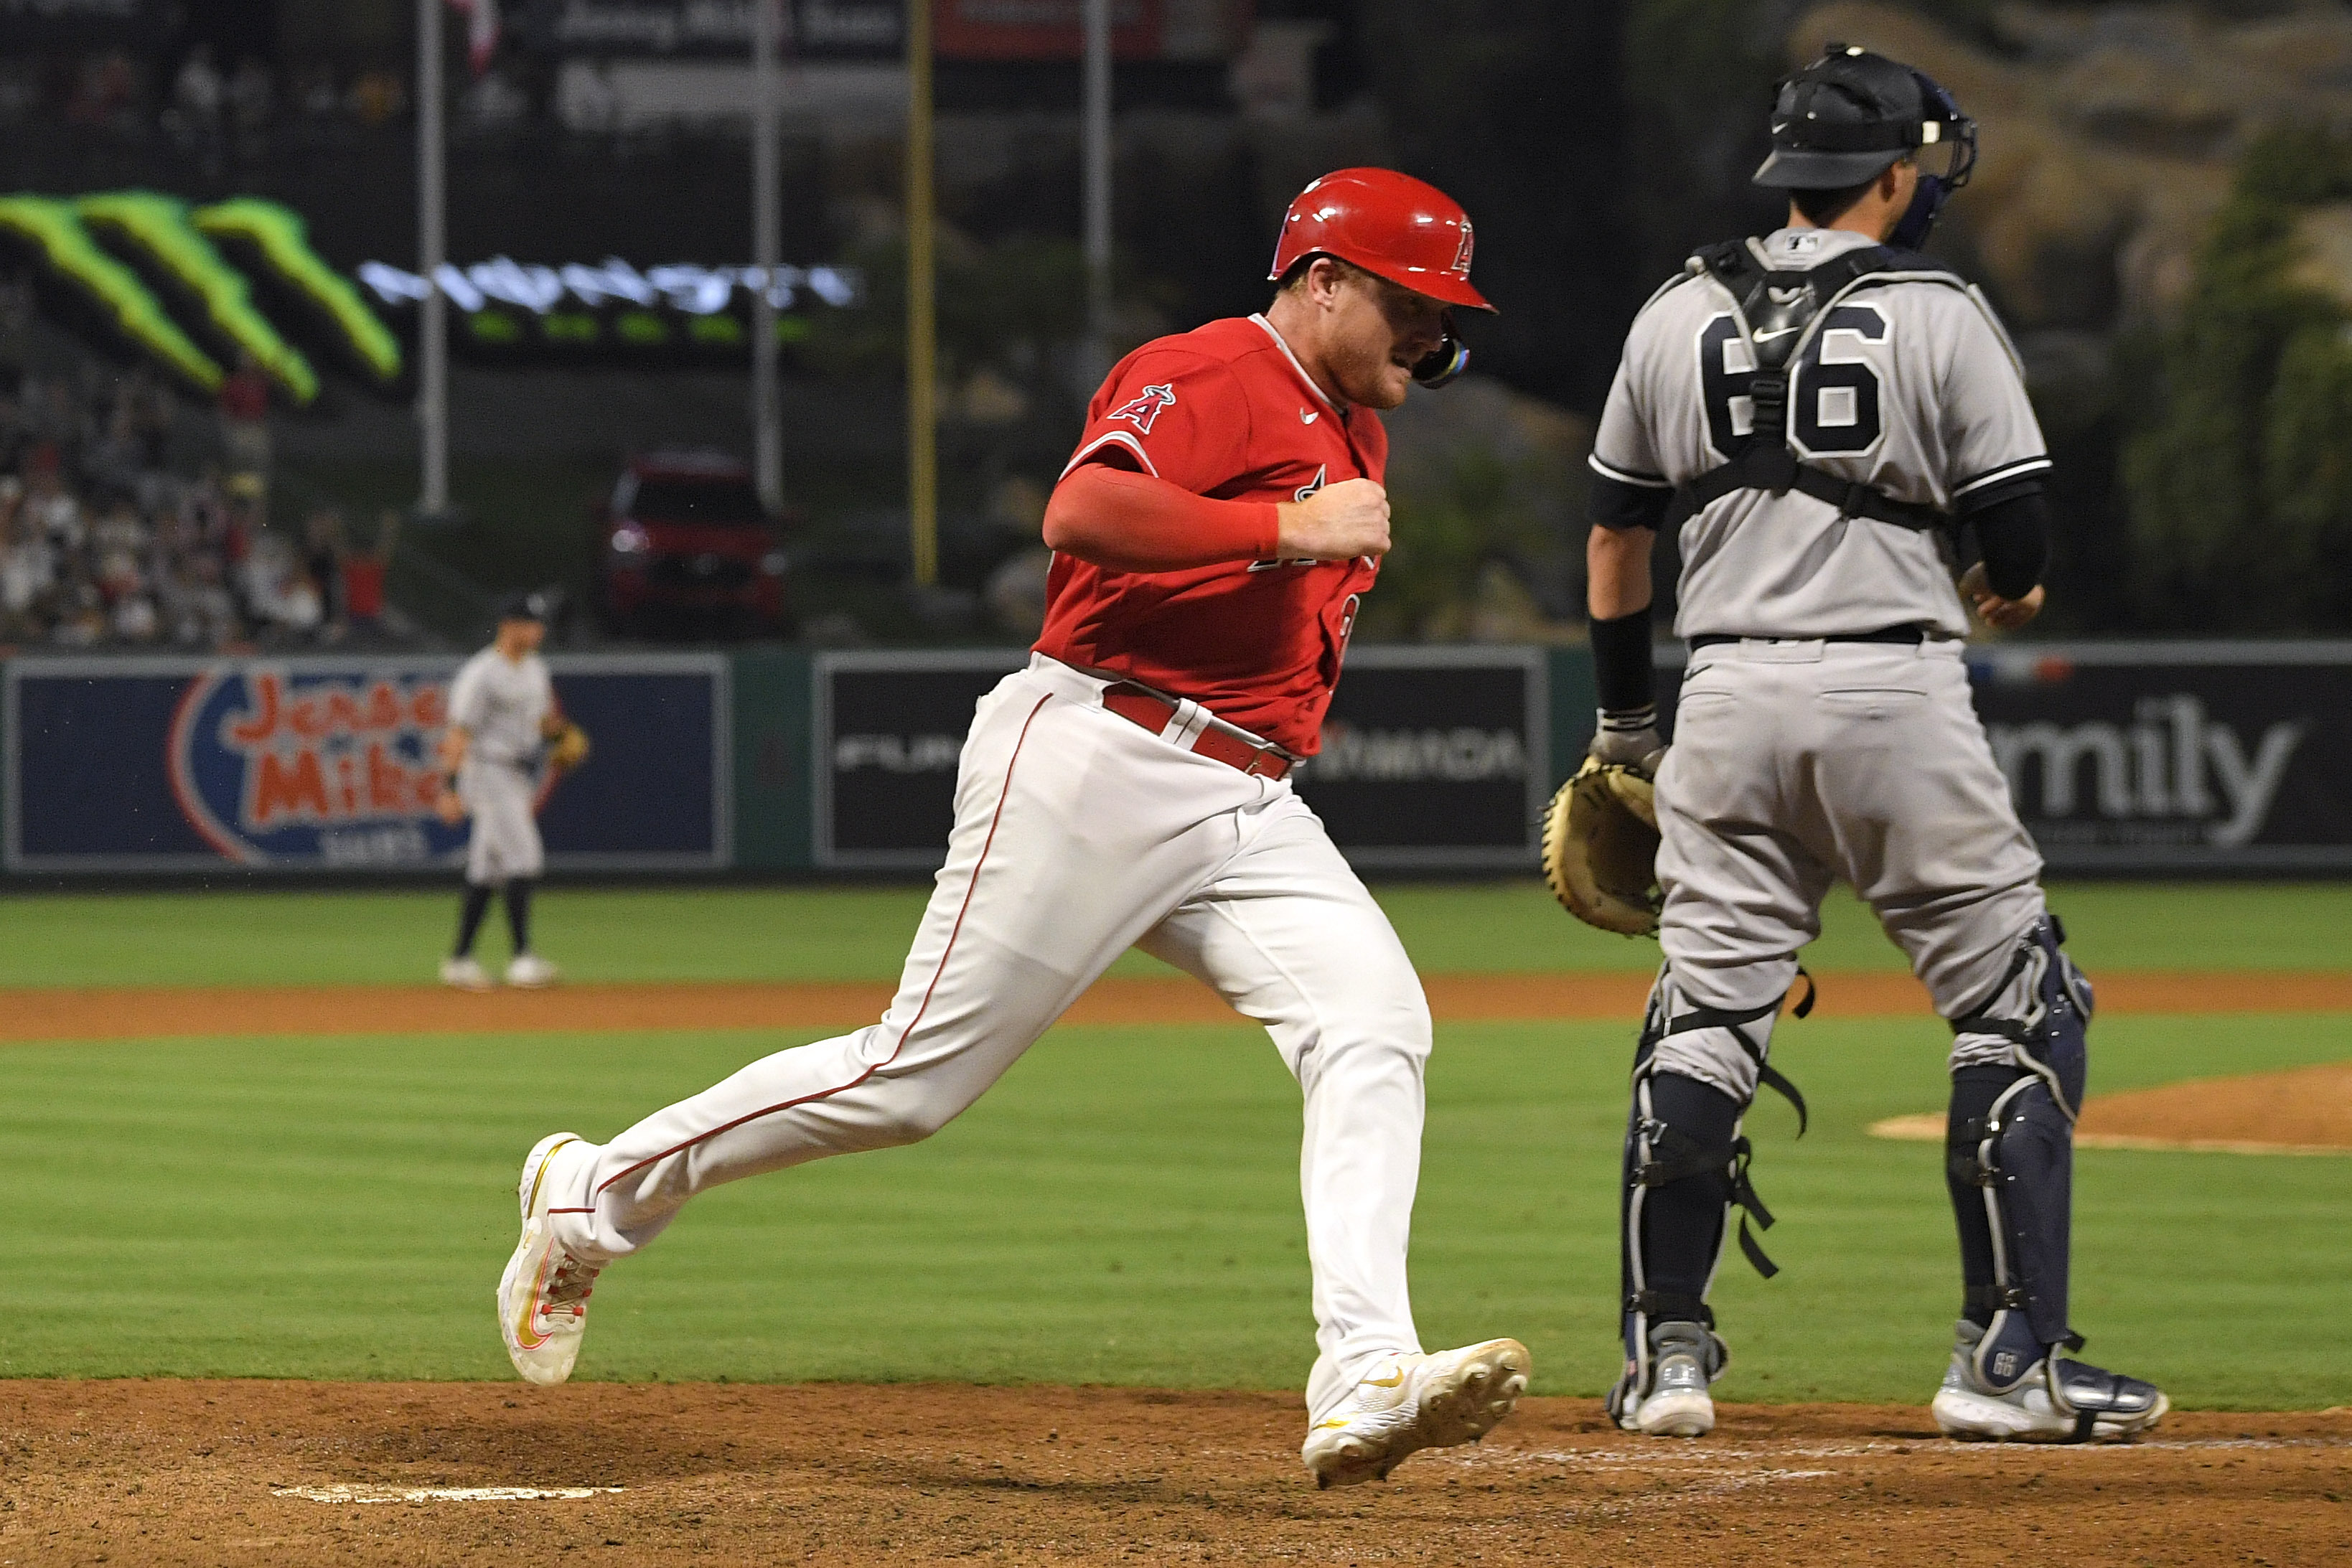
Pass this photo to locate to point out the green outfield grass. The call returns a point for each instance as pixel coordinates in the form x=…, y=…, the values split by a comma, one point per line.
x=1122, y=1209
x=848, y=933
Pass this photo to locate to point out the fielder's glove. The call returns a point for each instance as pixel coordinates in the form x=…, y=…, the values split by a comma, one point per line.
x=569, y=750
x=1600, y=848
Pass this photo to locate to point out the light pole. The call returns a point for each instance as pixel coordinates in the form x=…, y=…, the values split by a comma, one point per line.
x=1096, y=158
x=767, y=436
x=432, y=255
x=922, y=322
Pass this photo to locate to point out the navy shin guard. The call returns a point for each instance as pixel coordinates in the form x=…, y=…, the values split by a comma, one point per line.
x=2010, y=1156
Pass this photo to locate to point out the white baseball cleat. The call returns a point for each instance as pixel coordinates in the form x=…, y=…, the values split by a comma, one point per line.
x=529, y=971
x=2056, y=1401
x=1416, y=1402
x=1685, y=1358
x=466, y=974
x=543, y=1296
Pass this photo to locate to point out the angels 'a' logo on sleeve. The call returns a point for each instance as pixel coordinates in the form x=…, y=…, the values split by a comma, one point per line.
x=1143, y=408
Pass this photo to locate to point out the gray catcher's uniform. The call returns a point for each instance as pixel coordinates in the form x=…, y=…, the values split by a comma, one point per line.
x=1825, y=731
x=1797, y=761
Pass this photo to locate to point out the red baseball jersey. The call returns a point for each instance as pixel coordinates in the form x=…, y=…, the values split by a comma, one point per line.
x=1227, y=411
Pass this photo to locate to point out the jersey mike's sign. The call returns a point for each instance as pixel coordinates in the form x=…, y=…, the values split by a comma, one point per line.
x=1433, y=758
x=330, y=764
x=272, y=765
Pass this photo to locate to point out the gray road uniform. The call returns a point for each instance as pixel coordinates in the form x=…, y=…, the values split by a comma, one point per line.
x=1798, y=760
x=1824, y=731
x=501, y=704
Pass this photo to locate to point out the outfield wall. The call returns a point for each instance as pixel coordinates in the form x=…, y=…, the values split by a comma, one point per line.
x=2125, y=757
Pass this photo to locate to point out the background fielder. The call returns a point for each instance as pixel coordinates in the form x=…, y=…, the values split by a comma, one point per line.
x=503, y=714
x=1813, y=412
x=1215, y=530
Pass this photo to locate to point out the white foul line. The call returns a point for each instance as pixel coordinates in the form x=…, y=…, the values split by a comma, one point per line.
x=438, y=1494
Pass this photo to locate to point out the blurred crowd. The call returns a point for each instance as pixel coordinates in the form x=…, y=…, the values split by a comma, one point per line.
x=104, y=544
x=221, y=110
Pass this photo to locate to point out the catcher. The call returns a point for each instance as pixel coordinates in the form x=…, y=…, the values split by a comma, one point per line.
x=503, y=720
x=1813, y=416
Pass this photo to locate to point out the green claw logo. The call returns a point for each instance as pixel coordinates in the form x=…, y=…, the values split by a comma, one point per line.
x=177, y=249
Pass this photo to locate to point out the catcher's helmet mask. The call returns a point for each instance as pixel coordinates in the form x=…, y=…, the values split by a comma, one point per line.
x=1851, y=115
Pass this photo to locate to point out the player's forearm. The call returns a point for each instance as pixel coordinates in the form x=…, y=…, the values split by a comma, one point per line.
x=454, y=741
x=1617, y=572
x=1133, y=522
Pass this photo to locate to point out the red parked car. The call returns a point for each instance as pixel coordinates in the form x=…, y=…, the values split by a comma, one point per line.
x=688, y=551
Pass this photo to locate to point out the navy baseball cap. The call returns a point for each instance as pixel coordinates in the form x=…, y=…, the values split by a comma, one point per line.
x=531, y=605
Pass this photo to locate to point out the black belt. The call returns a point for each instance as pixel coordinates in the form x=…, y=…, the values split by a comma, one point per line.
x=1913, y=635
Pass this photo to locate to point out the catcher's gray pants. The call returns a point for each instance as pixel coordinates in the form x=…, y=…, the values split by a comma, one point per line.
x=502, y=798
x=1798, y=763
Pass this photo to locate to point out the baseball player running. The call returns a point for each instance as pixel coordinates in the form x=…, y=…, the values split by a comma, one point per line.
x=1213, y=533
x=1814, y=414
x=503, y=713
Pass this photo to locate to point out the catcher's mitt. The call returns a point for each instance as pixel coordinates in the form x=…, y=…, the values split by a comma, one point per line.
x=1600, y=848
x=569, y=750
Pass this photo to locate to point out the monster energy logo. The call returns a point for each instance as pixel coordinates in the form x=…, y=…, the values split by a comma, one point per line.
x=173, y=280
x=177, y=249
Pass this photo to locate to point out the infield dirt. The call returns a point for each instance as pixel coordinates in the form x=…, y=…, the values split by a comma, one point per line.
x=173, y=1473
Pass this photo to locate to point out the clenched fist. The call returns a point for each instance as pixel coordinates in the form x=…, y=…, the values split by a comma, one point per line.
x=1338, y=522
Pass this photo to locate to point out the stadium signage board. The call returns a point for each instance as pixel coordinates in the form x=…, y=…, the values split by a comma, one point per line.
x=875, y=29
x=505, y=308
x=2176, y=756
x=1433, y=758
x=668, y=29
x=328, y=764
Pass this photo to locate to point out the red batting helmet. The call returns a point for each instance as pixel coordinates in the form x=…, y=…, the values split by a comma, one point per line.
x=1390, y=224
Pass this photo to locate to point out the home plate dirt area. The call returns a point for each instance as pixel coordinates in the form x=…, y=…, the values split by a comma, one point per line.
x=186, y=1472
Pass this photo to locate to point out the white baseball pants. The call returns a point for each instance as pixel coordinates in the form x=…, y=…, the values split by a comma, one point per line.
x=1078, y=834
x=502, y=799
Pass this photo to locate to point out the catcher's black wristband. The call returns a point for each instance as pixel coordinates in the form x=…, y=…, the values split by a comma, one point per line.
x=1621, y=661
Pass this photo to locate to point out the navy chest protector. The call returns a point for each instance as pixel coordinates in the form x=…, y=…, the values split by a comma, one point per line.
x=1777, y=314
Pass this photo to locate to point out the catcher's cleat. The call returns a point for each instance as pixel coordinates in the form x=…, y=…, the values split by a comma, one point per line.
x=528, y=971
x=1415, y=1402
x=1685, y=1358
x=2055, y=1401
x=466, y=974
x=543, y=1295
